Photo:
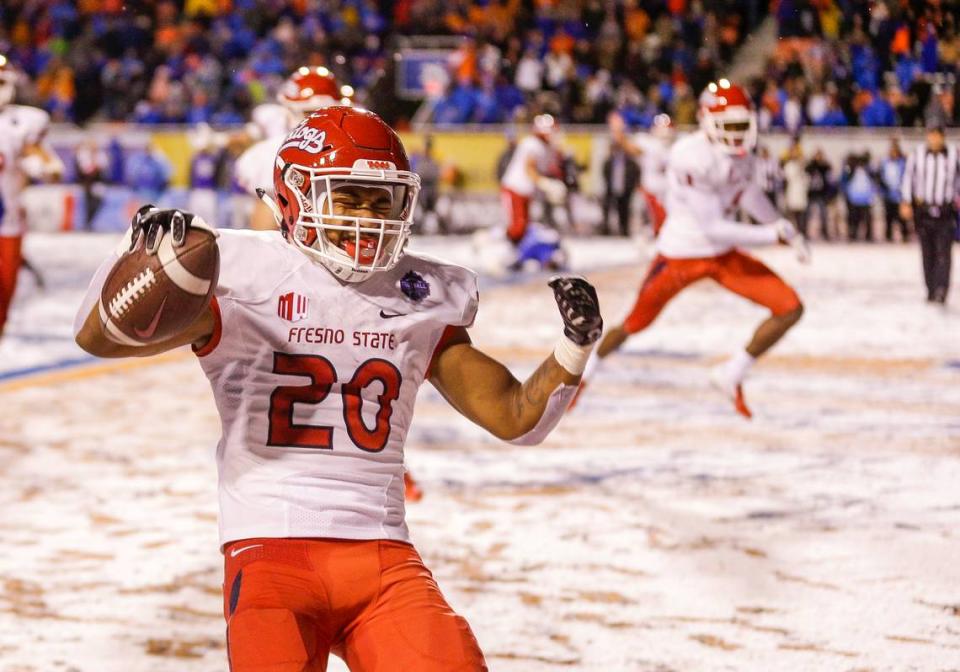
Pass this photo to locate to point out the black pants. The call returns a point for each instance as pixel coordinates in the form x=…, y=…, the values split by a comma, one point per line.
x=799, y=219
x=936, y=242
x=859, y=217
x=622, y=204
x=891, y=215
x=820, y=205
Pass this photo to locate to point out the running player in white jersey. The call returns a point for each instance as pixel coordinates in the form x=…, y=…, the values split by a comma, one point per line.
x=654, y=150
x=315, y=345
x=710, y=175
x=305, y=91
x=23, y=157
x=526, y=172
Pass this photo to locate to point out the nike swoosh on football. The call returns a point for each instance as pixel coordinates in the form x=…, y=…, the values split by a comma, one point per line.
x=152, y=327
x=237, y=551
x=389, y=315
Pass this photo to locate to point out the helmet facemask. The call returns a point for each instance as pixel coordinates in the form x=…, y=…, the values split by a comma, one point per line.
x=354, y=222
x=734, y=130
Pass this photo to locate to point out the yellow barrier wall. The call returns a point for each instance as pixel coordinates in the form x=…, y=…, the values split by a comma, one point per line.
x=474, y=155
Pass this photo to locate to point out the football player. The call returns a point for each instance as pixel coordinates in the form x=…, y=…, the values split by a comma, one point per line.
x=306, y=90
x=710, y=174
x=528, y=171
x=315, y=344
x=23, y=157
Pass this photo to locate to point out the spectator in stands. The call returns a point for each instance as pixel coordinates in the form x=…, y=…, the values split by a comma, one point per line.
x=148, y=174
x=424, y=165
x=621, y=176
x=90, y=164
x=859, y=189
x=504, y=159
x=879, y=112
x=819, y=192
x=796, y=183
x=769, y=174
x=891, y=178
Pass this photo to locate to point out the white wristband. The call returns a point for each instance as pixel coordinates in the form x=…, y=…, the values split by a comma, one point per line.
x=572, y=357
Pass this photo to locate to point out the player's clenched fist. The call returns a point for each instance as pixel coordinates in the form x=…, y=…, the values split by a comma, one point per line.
x=150, y=224
x=164, y=280
x=582, y=322
x=579, y=308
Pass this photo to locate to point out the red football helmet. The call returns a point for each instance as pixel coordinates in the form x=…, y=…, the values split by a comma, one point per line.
x=8, y=81
x=728, y=118
x=345, y=148
x=309, y=89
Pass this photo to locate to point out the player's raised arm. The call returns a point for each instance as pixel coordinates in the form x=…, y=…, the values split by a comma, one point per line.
x=484, y=390
x=153, y=293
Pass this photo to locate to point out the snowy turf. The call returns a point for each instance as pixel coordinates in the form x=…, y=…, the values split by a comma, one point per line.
x=655, y=530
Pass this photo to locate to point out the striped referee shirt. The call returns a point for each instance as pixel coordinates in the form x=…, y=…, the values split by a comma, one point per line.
x=930, y=178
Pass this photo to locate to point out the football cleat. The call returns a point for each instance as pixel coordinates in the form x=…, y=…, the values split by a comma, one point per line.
x=732, y=389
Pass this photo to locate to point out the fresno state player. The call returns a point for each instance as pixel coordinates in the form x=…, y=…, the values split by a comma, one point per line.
x=710, y=174
x=315, y=346
x=305, y=91
x=526, y=172
x=23, y=156
x=654, y=149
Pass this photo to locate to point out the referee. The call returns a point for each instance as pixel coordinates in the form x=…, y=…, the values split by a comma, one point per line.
x=928, y=192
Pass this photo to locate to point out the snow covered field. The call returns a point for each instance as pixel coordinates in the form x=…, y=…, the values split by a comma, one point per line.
x=655, y=530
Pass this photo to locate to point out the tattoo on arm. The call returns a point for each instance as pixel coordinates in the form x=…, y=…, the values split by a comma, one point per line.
x=535, y=391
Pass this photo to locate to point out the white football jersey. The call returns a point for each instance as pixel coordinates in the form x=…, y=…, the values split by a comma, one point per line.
x=254, y=168
x=20, y=126
x=515, y=177
x=654, y=159
x=704, y=184
x=315, y=381
x=271, y=119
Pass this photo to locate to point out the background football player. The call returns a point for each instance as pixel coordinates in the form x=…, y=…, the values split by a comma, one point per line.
x=305, y=91
x=23, y=157
x=316, y=402
x=710, y=174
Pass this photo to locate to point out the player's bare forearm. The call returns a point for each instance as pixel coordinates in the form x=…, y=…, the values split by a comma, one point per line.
x=484, y=390
x=93, y=338
x=530, y=398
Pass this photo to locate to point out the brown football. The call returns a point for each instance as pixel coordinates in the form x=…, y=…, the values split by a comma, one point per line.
x=147, y=298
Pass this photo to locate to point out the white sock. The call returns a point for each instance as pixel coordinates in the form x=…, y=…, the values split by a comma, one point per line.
x=739, y=365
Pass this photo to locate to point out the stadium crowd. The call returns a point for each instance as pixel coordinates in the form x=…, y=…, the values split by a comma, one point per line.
x=838, y=62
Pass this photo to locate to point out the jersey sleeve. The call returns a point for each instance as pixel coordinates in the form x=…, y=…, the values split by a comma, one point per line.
x=269, y=120
x=255, y=166
x=34, y=122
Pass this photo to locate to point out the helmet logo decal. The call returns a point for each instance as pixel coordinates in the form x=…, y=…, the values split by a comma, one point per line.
x=306, y=139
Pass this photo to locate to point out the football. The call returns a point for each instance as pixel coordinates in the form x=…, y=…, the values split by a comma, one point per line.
x=148, y=298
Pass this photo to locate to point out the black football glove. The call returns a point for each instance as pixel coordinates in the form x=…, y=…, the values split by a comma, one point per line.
x=579, y=308
x=151, y=223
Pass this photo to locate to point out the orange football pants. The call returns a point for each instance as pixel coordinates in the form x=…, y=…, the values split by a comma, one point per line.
x=289, y=603
x=9, y=267
x=738, y=272
x=518, y=213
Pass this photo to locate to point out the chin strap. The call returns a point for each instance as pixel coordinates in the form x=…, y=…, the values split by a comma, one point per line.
x=556, y=406
x=272, y=204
